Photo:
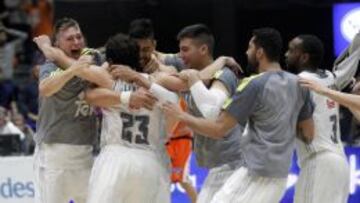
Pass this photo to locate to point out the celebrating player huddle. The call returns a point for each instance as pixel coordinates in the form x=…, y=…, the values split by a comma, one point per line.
x=244, y=129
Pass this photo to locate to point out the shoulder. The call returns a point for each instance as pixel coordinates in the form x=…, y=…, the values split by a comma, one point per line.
x=225, y=72
x=47, y=65
x=252, y=81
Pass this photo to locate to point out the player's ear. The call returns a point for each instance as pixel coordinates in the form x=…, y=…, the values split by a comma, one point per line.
x=304, y=58
x=259, y=53
x=204, y=49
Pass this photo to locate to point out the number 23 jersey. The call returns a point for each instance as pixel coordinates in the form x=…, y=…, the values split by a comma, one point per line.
x=142, y=128
x=326, y=119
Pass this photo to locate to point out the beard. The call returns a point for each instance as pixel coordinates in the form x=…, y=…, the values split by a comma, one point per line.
x=292, y=67
x=252, y=66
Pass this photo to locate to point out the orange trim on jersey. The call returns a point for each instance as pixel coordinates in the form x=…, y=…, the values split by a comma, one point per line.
x=180, y=128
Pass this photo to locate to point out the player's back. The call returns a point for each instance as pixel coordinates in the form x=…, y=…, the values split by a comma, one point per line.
x=326, y=119
x=141, y=128
x=272, y=103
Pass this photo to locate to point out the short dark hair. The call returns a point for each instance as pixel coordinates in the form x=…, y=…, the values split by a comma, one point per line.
x=199, y=32
x=62, y=24
x=121, y=49
x=270, y=40
x=313, y=46
x=141, y=29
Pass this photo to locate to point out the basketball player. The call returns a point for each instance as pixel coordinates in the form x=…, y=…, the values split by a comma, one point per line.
x=220, y=156
x=66, y=126
x=325, y=174
x=179, y=148
x=142, y=31
x=348, y=100
x=130, y=166
x=179, y=145
x=274, y=106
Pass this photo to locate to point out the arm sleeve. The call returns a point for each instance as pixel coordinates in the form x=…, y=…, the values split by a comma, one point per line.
x=174, y=60
x=163, y=94
x=208, y=101
x=46, y=70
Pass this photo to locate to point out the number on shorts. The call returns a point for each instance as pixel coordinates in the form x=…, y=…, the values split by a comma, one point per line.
x=333, y=137
x=128, y=122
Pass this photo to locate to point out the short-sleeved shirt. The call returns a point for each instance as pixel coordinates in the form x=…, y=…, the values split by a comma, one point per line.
x=210, y=152
x=271, y=104
x=140, y=129
x=326, y=119
x=65, y=117
x=174, y=60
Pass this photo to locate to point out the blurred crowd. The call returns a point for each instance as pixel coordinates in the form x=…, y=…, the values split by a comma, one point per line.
x=20, y=21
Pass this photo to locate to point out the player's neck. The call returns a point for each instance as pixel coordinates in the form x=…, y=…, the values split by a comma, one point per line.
x=269, y=66
x=204, y=63
x=310, y=69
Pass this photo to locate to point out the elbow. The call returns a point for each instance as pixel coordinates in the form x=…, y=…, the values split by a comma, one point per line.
x=306, y=131
x=91, y=98
x=44, y=91
x=218, y=132
x=309, y=138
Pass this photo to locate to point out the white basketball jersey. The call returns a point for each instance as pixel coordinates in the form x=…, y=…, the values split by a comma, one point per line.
x=142, y=128
x=326, y=119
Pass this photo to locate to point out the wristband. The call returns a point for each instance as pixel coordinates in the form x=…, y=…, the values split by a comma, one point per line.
x=125, y=97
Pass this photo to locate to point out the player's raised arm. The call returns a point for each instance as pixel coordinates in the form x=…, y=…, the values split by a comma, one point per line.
x=93, y=74
x=221, y=62
x=102, y=97
x=150, y=83
x=53, y=54
x=348, y=100
x=52, y=81
x=189, y=76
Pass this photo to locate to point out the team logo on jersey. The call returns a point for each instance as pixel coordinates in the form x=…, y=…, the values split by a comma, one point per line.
x=82, y=107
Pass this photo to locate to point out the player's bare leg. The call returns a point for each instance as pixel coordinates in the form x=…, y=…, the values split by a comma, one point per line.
x=190, y=190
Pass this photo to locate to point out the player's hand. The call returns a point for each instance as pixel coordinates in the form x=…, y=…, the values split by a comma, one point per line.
x=81, y=64
x=124, y=73
x=86, y=59
x=142, y=98
x=233, y=65
x=314, y=86
x=42, y=40
x=190, y=75
x=106, y=66
x=172, y=110
x=356, y=88
x=153, y=65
